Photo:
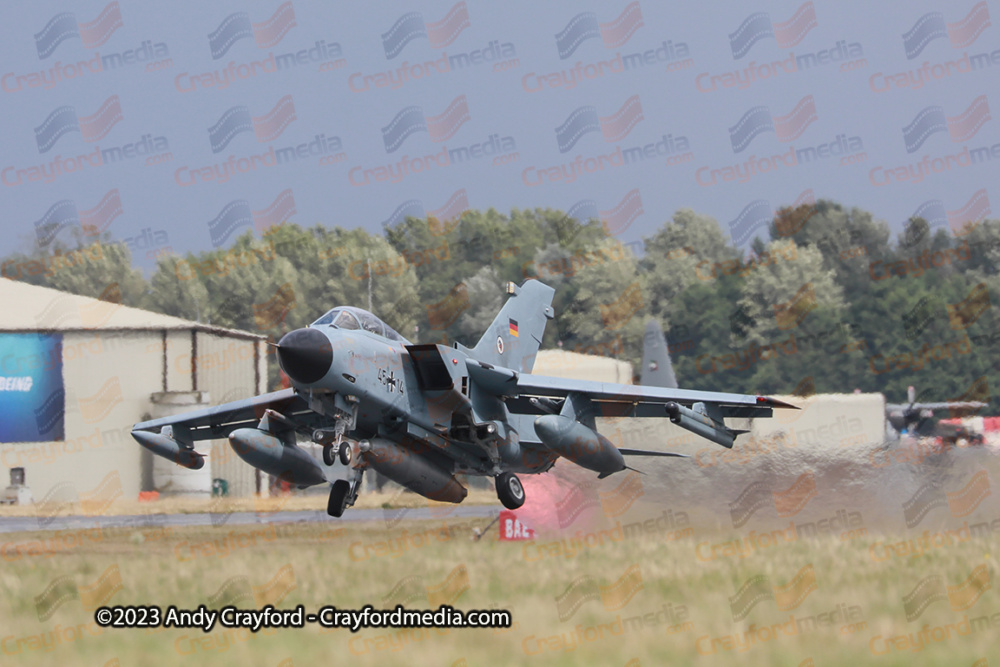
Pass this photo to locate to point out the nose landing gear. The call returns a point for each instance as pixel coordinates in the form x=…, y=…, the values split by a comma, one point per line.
x=338, y=450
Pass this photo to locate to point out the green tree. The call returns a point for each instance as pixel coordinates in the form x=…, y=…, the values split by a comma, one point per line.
x=608, y=308
x=688, y=250
x=850, y=240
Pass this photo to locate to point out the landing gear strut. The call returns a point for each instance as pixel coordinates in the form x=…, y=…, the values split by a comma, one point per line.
x=345, y=417
x=509, y=490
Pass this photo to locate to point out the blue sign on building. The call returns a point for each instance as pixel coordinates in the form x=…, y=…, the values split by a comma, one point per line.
x=32, y=398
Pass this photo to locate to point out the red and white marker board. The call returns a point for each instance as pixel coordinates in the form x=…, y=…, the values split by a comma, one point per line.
x=512, y=528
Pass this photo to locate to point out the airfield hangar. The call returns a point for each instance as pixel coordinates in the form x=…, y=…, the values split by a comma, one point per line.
x=76, y=373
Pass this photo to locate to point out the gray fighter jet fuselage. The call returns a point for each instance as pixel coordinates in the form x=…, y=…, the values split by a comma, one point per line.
x=420, y=414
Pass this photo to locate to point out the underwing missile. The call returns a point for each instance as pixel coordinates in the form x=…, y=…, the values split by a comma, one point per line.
x=169, y=449
x=701, y=424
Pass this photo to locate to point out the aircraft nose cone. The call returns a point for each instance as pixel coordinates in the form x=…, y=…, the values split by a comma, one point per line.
x=305, y=355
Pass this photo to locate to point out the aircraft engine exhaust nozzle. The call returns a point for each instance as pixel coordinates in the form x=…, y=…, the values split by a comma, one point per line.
x=579, y=444
x=414, y=471
x=305, y=355
x=169, y=449
x=700, y=424
x=267, y=452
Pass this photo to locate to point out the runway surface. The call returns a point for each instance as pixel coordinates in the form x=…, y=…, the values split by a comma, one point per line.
x=76, y=522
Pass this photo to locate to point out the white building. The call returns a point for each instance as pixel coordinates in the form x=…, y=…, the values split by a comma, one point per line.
x=77, y=372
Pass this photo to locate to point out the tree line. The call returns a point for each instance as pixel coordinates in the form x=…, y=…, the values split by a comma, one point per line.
x=827, y=301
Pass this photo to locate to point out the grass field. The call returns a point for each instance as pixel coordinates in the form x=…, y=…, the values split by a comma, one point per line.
x=106, y=506
x=822, y=556
x=666, y=597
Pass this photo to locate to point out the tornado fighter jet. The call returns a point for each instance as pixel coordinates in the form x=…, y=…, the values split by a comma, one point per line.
x=422, y=414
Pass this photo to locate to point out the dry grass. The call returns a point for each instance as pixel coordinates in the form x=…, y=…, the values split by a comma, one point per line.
x=282, y=503
x=350, y=565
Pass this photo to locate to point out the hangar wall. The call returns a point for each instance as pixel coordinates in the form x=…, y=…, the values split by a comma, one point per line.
x=228, y=369
x=828, y=425
x=576, y=366
x=833, y=420
x=179, y=378
x=828, y=420
x=825, y=420
x=109, y=378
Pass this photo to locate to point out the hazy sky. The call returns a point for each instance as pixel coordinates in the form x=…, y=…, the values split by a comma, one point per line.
x=626, y=110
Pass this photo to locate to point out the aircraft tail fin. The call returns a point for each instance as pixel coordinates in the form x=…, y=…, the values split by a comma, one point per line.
x=512, y=340
x=657, y=371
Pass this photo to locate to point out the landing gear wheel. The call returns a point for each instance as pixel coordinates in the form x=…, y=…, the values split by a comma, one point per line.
x=328, y=456
x=346, y=454
x=509, y=490
x=338, y=497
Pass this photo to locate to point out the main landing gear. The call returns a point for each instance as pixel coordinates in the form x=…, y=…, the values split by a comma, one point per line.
x=338, y=498
x=509, y=490
x=344, y=492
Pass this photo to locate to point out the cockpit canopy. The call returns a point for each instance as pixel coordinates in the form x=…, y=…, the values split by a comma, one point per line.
x=348, y=317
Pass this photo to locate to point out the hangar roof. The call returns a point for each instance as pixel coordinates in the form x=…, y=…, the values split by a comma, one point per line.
x=27, y=307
